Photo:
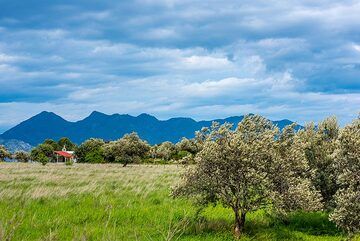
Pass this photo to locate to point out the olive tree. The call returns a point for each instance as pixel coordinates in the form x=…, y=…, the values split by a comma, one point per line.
x=188, y=145
x=242, y=169
x=185, y=150
x=4, y=153
x=320, y=145
x=290, y=174
x=165, y=150
x=201, y=136
x=347, y=199
x=128, y=149
x=42, y=150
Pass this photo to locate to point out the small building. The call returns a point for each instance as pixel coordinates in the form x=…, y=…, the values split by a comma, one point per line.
x=64, y=155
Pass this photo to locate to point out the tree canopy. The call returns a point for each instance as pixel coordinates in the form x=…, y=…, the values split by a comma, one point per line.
x=347, y=163
x=90, y=151
x=243, y=169
x=128, y=149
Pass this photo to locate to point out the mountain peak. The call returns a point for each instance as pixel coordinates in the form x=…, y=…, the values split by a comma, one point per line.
x=146, y=116
x=46, y=115
x=97, y=113
x=285, y=121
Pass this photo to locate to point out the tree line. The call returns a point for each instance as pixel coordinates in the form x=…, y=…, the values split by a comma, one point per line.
x=254, y=166
x=128, y=149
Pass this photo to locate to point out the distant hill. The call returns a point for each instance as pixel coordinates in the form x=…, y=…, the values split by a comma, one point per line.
x=111, y=127
x=14, y=145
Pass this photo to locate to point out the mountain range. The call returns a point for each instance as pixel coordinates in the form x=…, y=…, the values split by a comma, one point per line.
x=111, y=127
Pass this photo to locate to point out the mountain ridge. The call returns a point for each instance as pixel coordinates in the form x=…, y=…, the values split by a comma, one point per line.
x=110, y=127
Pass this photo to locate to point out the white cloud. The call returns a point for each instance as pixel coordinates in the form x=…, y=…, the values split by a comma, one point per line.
x=205, y=62
x=356, y=47
x=7, y=58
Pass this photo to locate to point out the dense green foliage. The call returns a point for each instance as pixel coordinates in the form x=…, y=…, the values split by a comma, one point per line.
x=40, y=157
x=95, y=156
x=42, y=150
x=66, y=142
x=55, y=145
x=89, y=149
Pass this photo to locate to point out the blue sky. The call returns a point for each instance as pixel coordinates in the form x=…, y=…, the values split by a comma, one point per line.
x=298, y=60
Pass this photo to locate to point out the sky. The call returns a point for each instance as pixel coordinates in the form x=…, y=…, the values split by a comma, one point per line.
x=297, y=60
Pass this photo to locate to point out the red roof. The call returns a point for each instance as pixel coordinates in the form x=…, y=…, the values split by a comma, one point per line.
x=63, y=153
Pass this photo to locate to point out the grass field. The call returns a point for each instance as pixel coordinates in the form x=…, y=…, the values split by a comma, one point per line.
x=109, y=202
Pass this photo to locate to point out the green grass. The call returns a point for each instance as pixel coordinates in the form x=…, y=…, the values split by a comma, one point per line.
x=109, y=202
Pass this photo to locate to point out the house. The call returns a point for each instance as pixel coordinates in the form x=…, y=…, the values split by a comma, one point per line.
x=64, y=155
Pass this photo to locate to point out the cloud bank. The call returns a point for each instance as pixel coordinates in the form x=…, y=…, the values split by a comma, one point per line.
x=203, y=59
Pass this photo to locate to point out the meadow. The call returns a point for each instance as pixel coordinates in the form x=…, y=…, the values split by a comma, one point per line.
x=110, y=202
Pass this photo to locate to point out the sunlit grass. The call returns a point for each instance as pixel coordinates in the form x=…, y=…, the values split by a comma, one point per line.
x=109, y=202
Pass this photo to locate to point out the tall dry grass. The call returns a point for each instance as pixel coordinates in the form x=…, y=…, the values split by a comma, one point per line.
x=32, y=180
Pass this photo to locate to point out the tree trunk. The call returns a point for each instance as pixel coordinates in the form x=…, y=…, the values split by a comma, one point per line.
x=125, y=164
x=239, y=223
